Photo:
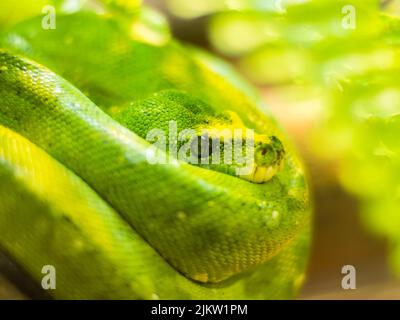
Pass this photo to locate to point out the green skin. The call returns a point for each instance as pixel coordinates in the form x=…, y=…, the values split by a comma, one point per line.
x=185, y=232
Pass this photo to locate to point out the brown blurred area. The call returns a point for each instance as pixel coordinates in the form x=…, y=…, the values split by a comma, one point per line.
x=9, y=291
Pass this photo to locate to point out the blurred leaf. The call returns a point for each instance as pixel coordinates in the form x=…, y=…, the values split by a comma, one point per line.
x=151, y=27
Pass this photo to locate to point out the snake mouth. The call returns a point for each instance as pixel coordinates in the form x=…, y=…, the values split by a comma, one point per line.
x=260, y=174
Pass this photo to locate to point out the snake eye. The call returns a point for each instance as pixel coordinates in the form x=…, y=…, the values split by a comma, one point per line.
x=202, y=146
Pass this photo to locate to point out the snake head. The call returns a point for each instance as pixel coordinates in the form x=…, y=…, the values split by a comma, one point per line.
x=269, y=153
x=256, y=159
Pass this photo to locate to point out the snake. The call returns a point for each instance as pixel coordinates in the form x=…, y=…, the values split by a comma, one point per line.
x=77, y=191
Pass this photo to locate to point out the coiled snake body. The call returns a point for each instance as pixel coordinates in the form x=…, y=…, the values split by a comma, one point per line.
x=77, y=190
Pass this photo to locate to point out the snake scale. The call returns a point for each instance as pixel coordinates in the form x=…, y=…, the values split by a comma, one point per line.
x=77, y=190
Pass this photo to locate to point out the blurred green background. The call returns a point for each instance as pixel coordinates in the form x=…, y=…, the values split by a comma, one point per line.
x=328, y=70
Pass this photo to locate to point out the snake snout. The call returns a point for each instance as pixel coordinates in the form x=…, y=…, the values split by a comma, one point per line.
x=268, y=160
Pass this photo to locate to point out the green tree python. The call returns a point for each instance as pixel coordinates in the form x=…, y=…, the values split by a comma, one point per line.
x=77, y=190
